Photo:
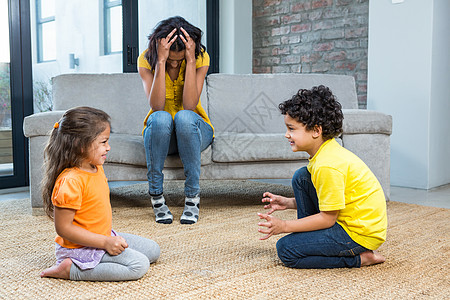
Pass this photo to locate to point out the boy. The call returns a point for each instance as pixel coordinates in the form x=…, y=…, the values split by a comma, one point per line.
x=340, y=204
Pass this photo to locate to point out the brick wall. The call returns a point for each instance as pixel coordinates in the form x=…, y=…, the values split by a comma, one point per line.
x=312, y=36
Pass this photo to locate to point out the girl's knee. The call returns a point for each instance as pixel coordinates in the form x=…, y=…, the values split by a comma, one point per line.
x=153, y=252
x=139, y=266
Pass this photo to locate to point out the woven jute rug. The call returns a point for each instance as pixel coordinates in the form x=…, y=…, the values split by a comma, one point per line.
x=221, y=256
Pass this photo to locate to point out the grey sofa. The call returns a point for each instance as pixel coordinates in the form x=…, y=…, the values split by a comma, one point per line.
x=249, y=130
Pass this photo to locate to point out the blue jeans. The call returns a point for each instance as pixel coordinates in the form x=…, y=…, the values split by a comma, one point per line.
x=320, y=249
x=186, y=134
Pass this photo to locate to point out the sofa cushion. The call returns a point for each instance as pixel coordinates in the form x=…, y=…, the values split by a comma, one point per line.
x=129, y=149
x=120, y=95
x=250, y=102
x=246, y=147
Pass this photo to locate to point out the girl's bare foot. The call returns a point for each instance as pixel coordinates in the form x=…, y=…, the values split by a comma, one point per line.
x=59, y=271
x=371, y=258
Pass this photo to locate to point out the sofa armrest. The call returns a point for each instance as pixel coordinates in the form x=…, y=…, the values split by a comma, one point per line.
x=361, y=121
x=41, y=123
x=367, y=134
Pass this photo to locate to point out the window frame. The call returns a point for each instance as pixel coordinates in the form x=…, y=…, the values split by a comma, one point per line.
x=212, y=34
x=21, y=90
x=107, y=6
x=131, y=35
x=39, y=34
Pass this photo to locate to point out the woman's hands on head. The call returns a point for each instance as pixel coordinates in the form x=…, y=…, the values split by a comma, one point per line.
x=163, y=45
x=190, y=46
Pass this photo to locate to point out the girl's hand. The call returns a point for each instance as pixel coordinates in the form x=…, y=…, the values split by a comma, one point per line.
x=115, y=245
x=190, y=46
x=273, y=224
x=163, y=46
x=275, y=202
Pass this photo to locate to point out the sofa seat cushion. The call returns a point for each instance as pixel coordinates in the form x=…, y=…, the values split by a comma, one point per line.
x=251, y=147
x=129, y=149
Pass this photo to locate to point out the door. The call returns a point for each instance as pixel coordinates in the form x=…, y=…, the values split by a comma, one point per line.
x=15, y=92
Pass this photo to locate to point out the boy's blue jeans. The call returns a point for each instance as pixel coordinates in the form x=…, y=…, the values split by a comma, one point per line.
x=186, y=134
x=320, y=249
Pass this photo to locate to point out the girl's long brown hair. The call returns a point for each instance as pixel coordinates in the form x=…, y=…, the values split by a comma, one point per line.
x=69, y=143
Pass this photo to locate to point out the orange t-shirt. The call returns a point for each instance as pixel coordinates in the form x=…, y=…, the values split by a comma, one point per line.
x=88, y=194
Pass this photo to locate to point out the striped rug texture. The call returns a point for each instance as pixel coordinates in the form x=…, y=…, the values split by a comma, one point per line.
x=221, y=256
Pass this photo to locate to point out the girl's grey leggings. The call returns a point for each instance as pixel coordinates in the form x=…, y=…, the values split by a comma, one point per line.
x=132, y=264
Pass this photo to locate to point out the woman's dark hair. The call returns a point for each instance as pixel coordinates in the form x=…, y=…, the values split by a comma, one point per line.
x=163, y=28
x=317, y=106
x=69, y=143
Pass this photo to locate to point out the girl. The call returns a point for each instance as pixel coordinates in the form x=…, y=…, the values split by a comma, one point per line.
x=173, y=70
x=76, y=195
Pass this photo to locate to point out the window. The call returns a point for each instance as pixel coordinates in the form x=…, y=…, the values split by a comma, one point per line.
x=112, y=16
x=45, y=30
x=15, y=90
x=201, y=13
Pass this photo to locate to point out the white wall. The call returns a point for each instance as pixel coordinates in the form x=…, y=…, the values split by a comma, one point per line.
x=440, y=95
x=78, y=31
x=235, y=36
x=407, y=43
x=4, y=32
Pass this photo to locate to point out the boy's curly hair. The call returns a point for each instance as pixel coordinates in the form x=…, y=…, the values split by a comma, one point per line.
x=317, y=106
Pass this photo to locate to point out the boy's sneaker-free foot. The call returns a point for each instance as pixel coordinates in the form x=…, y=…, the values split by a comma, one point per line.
x=162, y=212
x=191, y=210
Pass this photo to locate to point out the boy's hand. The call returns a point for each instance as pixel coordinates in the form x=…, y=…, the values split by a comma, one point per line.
x=115, y=245
x=275, y=202
x=273, y=224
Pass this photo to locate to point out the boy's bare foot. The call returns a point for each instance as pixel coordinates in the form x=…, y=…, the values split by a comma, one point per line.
x=371, y=258
x=59, y=271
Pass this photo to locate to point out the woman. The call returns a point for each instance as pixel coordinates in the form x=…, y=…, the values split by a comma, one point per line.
x=173, y=70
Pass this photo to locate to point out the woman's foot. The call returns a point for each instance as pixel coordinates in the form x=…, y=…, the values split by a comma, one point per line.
x=162, y=212
x=59, y=271
x=191, y=210
x=371, y=258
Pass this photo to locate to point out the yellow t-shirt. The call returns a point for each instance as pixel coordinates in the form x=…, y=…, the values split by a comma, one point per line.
x=88, y=194
x=174, y=89
x=344, y=182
